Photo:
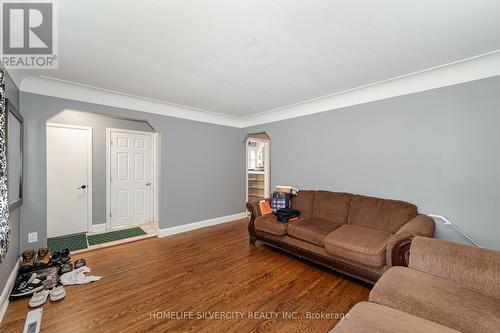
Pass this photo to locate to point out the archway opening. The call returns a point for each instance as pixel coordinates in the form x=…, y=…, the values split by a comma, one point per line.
x=102, y=178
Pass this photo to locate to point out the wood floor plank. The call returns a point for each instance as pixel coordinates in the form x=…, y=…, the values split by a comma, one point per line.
x=203, y=273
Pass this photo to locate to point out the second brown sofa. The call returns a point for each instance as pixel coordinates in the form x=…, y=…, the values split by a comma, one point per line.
x=354, y=234
x=448, y=287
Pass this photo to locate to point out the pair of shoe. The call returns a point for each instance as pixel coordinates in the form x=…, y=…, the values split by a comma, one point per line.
x=31, y=259
x=68, y=267
x=62, y=257
x=26, y=284
x=39, y=298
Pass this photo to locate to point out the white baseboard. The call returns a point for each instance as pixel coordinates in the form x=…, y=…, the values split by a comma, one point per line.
x=99, y=227
x=201, y=224
x=4, y=297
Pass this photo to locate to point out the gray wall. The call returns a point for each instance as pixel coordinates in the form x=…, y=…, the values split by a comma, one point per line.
x=200, y=163
x=8, y=263
x=438, y=149
x=99, y=123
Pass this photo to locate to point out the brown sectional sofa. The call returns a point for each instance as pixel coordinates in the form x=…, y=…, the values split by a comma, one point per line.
x=447, y=287
x=354, y=234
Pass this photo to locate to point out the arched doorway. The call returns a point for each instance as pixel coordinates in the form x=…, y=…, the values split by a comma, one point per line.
x=102, y=177
x=258, y=166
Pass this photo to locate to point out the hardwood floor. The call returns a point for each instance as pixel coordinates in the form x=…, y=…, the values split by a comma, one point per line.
x=210, y=271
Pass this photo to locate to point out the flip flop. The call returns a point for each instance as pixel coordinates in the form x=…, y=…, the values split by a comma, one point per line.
x=57, y=293
x=38, y=298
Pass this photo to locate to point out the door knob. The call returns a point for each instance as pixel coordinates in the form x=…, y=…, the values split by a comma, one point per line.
x=82, y=187
x=148, y=184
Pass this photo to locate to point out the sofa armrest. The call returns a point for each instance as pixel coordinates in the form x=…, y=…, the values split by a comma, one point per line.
x=254, y=209
x=398, y=248
x=475, y=268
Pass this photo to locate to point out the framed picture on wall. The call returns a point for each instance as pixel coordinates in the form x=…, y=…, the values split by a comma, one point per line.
x=15, y=134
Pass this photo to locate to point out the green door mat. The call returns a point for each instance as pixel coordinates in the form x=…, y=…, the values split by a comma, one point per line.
x=114, y=236
x=72, y=242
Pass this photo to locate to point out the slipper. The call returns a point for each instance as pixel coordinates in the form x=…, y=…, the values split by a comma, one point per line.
x=57, y=293
x=80, y=263
x=38, y=298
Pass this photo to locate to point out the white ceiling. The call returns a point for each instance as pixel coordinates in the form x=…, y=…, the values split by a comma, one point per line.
x=241, y=58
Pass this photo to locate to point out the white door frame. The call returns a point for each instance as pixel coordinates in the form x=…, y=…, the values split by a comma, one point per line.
x=267, y=165
x=90, y=188
x=156, y=175
x=155, y=165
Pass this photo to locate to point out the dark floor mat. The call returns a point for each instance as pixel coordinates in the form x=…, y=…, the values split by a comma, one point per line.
x=72, y=242
x=115, y=235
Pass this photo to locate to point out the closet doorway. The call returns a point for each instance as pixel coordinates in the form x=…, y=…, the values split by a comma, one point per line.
x=69, y=179
x=258, y=167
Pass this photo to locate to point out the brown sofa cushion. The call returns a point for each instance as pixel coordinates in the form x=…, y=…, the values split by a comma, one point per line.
x=359, y=244
x=380, y=214
x=304, y=203
x=269, y=224
x=331, y=206
x=312, y=230
x=439, y=300
x=370, y=317
x=472, y=267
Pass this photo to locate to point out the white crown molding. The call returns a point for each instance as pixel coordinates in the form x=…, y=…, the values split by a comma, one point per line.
x=47, y=86
x=470, y=69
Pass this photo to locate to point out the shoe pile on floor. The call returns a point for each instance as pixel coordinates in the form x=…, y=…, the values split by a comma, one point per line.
x=43, y=274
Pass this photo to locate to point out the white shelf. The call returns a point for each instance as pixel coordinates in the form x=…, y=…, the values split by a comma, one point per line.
x=255, y=187
x=252, y=172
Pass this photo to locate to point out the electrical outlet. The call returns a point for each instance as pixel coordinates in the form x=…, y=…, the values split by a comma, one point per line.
x=32, y=237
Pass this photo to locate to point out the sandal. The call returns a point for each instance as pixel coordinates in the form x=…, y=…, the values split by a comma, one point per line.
x=38, y=298
x=28, y=259
x=57, y=293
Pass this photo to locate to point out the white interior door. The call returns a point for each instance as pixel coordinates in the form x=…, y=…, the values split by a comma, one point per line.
x=69, y=176
x=131, y=178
